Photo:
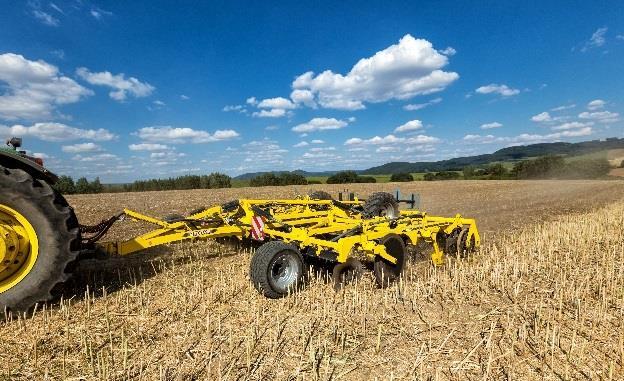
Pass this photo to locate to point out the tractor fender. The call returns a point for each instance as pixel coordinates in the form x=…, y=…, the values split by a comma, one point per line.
x=13, y=160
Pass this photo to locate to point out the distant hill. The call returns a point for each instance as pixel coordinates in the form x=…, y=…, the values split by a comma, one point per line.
x=506, y=154
x=251, y=175
x=456, y=164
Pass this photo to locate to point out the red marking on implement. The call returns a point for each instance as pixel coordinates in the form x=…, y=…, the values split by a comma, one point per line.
x=257, y=228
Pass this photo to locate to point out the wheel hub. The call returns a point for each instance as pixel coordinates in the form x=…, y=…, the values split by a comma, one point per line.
x=18, y=247
x=283, y=271
x=9, y=246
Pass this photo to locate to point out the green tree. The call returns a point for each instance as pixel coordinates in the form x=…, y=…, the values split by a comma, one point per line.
x=65, y=185
x=96, y=186
x=496, y=171
x=83, y=186
x=540, y=168
x=219, y=180
x=265, y=179
x=365, y=179
x=344, y=177
x=443, y=175
x=470, y=172
x=292, y=179
x=401, y=177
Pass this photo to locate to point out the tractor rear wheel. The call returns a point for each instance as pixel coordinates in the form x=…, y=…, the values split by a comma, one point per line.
x=386, y=272
x=277, y=269
x=39, y=240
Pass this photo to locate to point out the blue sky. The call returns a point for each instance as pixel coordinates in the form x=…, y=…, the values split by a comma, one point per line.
x=128, y=90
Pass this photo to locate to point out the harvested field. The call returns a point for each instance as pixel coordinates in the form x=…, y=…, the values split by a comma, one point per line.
x=497, y=205
x=543, y=299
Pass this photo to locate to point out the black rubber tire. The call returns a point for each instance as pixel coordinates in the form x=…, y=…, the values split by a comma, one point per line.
x=262, y=266
x=320, y=195
x=197, y=210
x=450, y=243
x=378, y=203
x=346, y=273
x=462, y=238
x=171, y=218
x=387, y=273
x=58, y=233
x=230, y=206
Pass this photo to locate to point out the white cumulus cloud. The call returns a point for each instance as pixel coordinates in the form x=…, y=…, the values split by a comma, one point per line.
x=179, y=135
x=409, y=126
x=305, y=97
x=571, y=126
x=122, y=86
x=320, y=124
x=95, y=158
x=564, y=107
x=596, y=104
x=420, y=106
x=272, y=113
x=385, y=149
x=527, y=138
x=56, y=132
x=82, y=147
x=148, y=147
x=542, y=117
x=279, y=103
x=392, y=139
x=33, y=89
x=449, y=51
x=272, y=107
x=488, y=126
x=401, y=71
x=600, y=116
x=494, y=88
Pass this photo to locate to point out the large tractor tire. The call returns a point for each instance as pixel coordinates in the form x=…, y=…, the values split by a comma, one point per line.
x=39, y=240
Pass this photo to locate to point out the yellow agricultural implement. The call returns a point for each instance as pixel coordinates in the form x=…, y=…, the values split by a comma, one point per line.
x=41, y=239
x=345, y=233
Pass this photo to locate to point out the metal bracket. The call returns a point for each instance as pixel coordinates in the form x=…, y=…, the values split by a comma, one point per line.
x=413, y=201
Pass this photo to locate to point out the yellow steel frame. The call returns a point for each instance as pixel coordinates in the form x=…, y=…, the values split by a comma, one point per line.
x=304, y=222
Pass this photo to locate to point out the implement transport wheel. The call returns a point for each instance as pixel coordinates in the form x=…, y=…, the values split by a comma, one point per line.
x=39, y=240
x=346, y=273
x=381, y=204
x=450, y=242
x=320, y=195
x=463, y=251
x=277, y=268
x=386, y=272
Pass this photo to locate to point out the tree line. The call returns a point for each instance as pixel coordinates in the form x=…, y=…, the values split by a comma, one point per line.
x=545, y=167
x=284, y=178
x=66, y=184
